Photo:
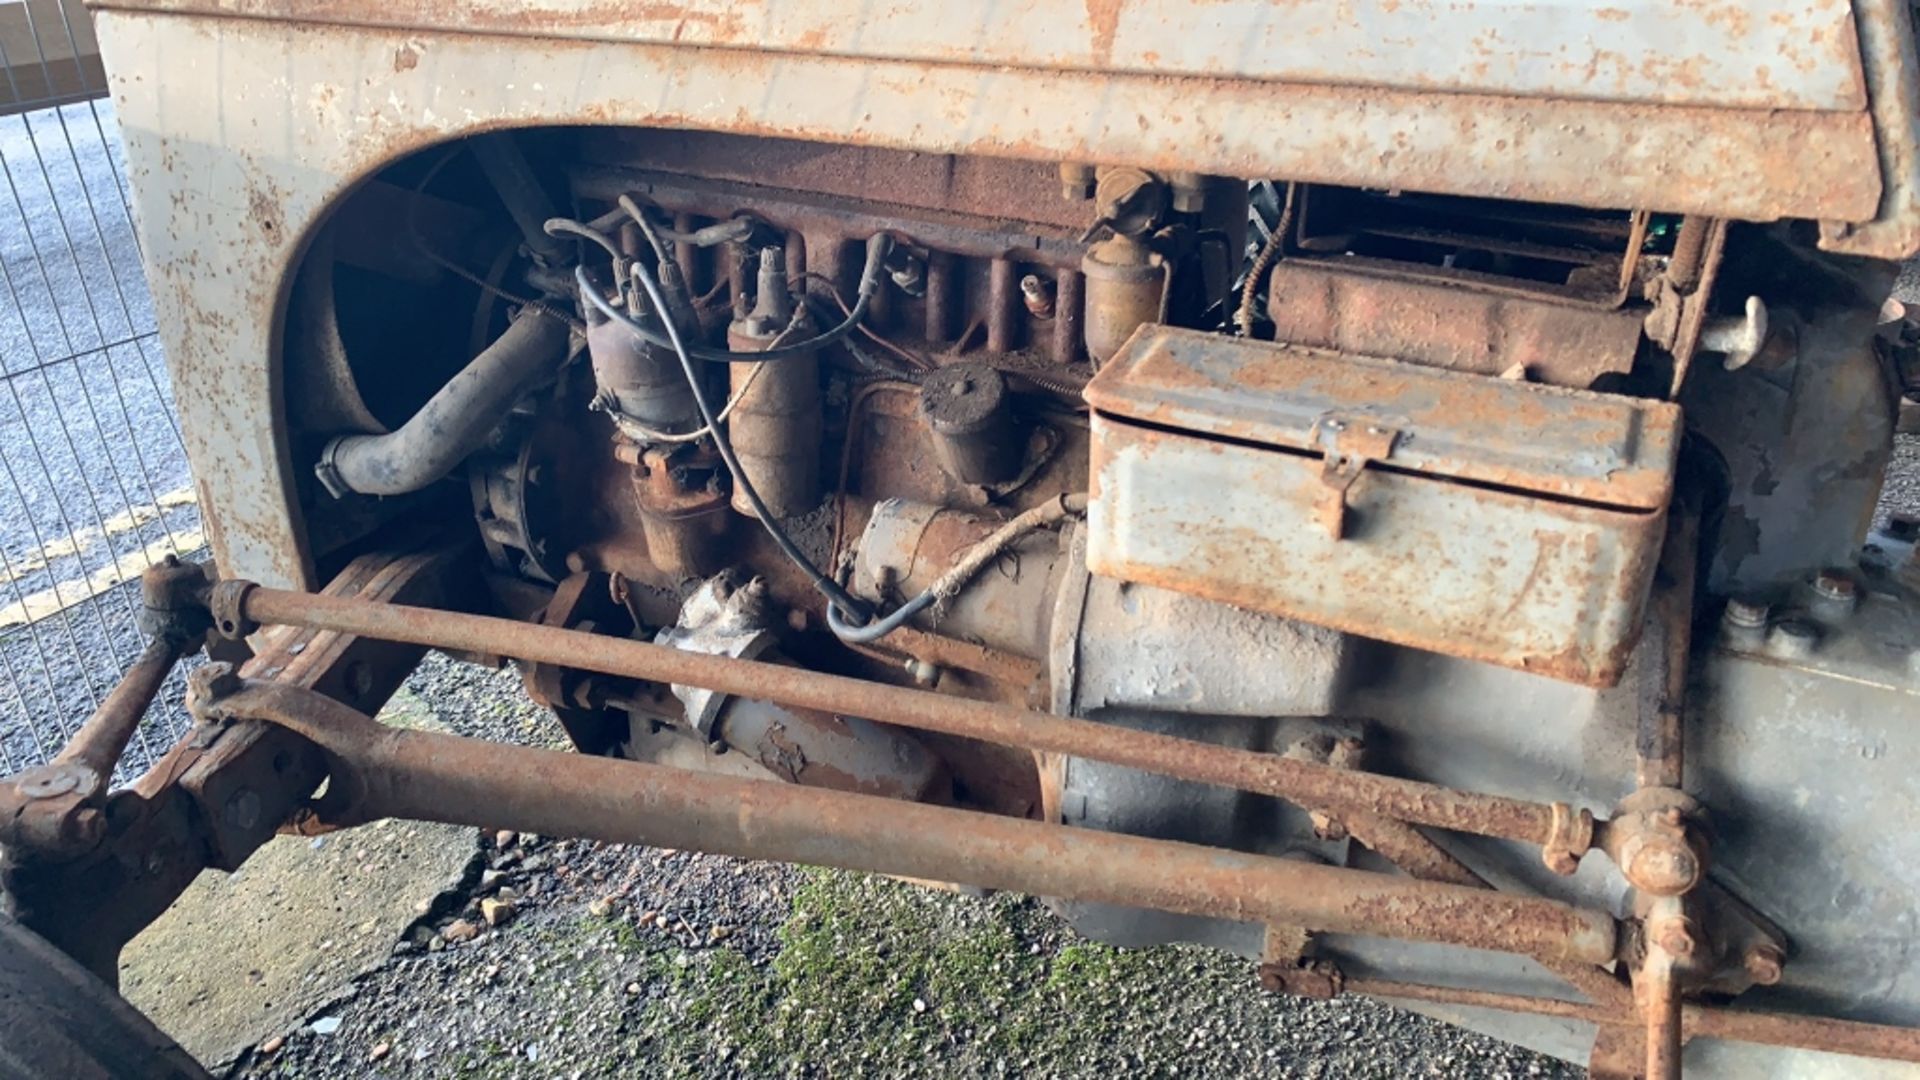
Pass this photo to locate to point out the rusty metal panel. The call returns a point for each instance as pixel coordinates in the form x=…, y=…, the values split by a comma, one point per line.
x=1731, y=53
x=1449, y=325
x=1567, y=444
x=436, y=70
x=1553, y=589
x=1888, y=42
x=1493, y=520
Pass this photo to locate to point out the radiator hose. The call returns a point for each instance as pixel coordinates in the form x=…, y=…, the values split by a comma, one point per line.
x=454, y=422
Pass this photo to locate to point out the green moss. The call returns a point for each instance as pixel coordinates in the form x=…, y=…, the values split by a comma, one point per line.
x=405, y=710
x=875, y=976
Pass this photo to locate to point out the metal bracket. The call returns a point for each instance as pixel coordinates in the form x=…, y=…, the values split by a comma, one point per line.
x=1320, y=980
x=1349, y=444
x=328, y=472
x=719, y=620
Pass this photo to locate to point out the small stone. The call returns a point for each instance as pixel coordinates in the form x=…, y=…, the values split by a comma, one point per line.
x=460, y=930
x=633, y=989
x=492, y=972
x=423, y=906
x=719, y=933
x=507, y=895
x=380, y=1050
x=496, y=912
x=662, y=922
x=603, y=907
x=505, y=838
x=490, y=879
x=919, y=1005
x=318, y=843
x=273, y=1045
x=530, y=839
x=326, y=1025
x=505, y=859
x=437, y=944
x=533, y=864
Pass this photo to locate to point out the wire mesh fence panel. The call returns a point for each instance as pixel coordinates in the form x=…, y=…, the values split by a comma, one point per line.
x=94, y=486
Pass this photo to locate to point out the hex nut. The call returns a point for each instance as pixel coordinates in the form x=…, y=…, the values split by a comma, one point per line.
x=1676, y=938
x=1076, y=181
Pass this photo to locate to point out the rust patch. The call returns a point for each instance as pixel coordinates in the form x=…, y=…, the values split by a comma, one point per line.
x=1103, y=19
x=1607, y=451
x=1450, y=325
x=265, y=211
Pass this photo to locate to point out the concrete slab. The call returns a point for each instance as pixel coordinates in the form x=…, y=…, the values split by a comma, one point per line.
x=245, y=956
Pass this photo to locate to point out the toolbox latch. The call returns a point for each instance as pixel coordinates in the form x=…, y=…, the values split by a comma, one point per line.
x=1348, y=443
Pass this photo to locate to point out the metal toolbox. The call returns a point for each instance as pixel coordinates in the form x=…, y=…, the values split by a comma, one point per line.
x=1490, y=519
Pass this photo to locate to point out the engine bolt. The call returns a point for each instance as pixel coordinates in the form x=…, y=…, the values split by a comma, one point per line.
x=922, y=673
x=1764, y=964
x=1038, y=296
x=1076, y=181
x=1746, y=614
x=1676, y=939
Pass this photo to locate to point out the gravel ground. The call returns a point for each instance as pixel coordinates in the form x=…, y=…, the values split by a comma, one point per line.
x=1902, y=491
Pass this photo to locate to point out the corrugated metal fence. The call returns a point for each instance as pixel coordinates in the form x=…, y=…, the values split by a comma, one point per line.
x=93, y=477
